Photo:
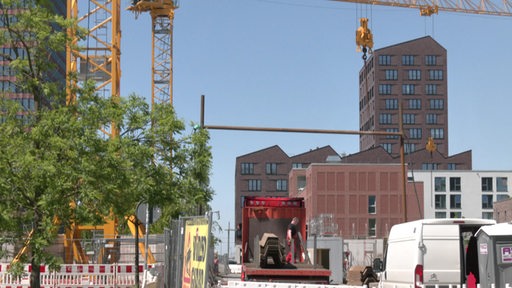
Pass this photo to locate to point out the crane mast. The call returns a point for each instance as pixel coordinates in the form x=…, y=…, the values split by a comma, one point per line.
x=162, y=17
x=98, y=56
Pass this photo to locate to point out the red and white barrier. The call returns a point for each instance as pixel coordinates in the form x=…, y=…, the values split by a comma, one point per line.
x=76, y=276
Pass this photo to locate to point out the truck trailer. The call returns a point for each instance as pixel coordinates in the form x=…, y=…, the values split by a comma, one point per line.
x=264, y=224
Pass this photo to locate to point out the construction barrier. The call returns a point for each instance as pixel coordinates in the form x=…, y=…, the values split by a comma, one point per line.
x=75, y=276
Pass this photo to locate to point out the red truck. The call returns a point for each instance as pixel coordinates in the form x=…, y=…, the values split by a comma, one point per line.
x=264, y=224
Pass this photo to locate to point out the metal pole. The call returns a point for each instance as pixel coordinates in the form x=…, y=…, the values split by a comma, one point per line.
x=226, y=265
x=146, y=237
x=137, y=282
x=402, y=159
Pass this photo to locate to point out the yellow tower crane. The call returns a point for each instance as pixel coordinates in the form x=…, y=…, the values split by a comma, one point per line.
x=162, y=17
x=364, y=37
x=95, y=57
x=429, y=7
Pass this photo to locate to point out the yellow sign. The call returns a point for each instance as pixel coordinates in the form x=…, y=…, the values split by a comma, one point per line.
x=194, y=253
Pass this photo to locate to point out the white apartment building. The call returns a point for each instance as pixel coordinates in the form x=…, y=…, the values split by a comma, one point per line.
x=461, y=193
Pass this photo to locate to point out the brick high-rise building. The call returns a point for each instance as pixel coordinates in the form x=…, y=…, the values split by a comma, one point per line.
x=412, y=74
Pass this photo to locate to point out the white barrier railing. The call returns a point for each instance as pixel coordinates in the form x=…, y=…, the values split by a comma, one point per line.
x=76, y=276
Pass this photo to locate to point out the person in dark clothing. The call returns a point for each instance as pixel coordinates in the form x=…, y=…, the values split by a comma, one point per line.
x=292, y=234
x=238, y=233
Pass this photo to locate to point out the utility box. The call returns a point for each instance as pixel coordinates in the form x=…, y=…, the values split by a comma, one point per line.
x=328, y=254
x=495, y=255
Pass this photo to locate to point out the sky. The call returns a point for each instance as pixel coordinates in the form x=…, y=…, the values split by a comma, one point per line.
x=293, y=64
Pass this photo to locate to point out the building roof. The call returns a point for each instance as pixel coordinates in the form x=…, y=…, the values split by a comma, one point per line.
x=425, y=38
x=500, y=229
x=327, y=149
x=275, y=147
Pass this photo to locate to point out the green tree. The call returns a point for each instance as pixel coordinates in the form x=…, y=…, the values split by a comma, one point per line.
x=55, y=155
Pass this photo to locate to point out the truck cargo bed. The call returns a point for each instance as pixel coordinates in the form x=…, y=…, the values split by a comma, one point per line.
x=296, y=273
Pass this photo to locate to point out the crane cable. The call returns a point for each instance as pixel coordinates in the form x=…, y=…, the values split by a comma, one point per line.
x=87, y=42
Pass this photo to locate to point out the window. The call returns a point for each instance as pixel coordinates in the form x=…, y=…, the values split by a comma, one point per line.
x=486, y=201
x=440, y=201
x=254, y=185
x=385, y=118
x=384, y=60
x=409, y=119
x=431, y=89
x=298, y=165
x=388, y=147
x=501, y=184
x=301, y=182
x=440, y=215
x=392, y=130
x=409, y=147
x=501, y=197
x=247, y=168
x=487, y=215
x=414, y=74
x=415, y=104
x=415, y=133
x=271, y=168
x=384, y=89
x=452, y=166
x=408, y=89
x=430, y=60
x=407, y=60
x=391, y=74
x=372, y=206
x=455, y=202
x=7, y=71
x=437, y=133
x=391, y=104
x=8, y=86
x=282, y=185
x=487, y=184
x=372, y=227
x=429, y=166
x=435, y=74
x=431, y=119
x=455, y=184
x=436, y=104
x=455, y=214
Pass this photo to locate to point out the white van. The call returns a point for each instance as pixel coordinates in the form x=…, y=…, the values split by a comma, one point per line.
x=431, y=252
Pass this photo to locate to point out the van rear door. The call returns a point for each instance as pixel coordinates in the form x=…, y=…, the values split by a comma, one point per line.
x=441, y=254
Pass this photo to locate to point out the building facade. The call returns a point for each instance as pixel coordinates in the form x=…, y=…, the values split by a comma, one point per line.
x=503, y=210
x=462, y=194
x=365, y=200
x=410, y=77
x=265, y=172
x=14, y=50
x=420, y=159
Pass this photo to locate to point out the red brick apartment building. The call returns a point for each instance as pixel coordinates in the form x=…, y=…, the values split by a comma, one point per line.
x=265, y=172
x=503, y=211
x=364, y=199
x=412, y=75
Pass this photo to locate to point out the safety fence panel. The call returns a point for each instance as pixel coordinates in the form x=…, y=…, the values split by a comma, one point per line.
x=74, y=275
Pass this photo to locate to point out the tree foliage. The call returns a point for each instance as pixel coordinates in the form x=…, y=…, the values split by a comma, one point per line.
x=58, y=169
